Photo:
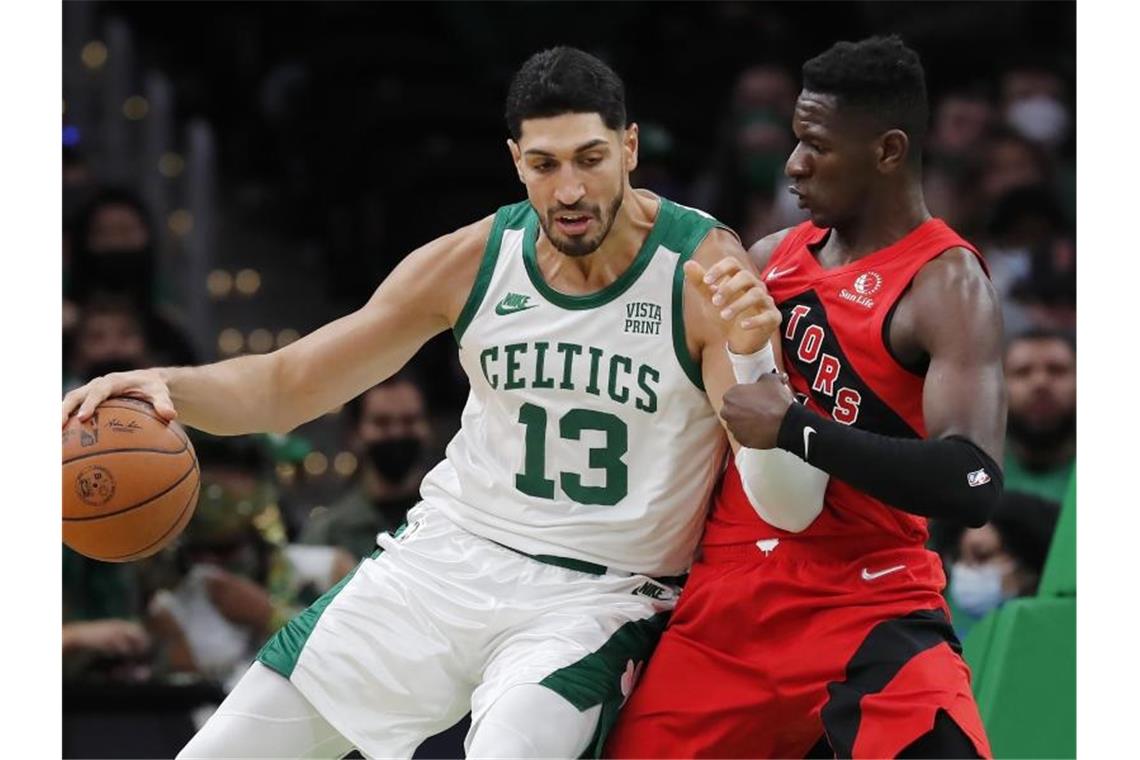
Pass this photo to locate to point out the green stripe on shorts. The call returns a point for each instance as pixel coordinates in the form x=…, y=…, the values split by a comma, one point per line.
x=596, y=679
x=283, y=649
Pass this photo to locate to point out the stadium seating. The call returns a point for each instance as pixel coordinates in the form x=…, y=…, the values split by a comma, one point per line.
x=1024, y=658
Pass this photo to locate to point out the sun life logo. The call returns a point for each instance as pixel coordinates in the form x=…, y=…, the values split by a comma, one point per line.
x=868, y=283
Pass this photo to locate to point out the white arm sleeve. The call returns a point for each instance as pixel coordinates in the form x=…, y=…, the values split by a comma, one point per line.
x=785, y=491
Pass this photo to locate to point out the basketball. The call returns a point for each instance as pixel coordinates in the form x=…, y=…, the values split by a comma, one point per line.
x=130, y=481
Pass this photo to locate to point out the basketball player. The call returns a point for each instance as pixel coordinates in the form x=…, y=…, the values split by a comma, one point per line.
x=535, y=576
x=835, y=640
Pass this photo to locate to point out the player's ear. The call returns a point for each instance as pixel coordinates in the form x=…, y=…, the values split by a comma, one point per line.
x=516, y=157
x=629, y=146
x=893, y=149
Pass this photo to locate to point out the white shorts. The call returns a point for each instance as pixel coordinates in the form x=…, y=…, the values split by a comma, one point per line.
x=441, y=621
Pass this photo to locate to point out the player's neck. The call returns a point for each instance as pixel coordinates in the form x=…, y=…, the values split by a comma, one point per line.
x=885, y=219
x=588, y=274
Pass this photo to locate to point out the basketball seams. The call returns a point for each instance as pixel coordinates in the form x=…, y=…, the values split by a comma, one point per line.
x=132, y=507
x=184, y=516
x=129, y=532
x=109, y=452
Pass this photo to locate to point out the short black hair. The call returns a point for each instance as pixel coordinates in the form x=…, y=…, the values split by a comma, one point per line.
x=1026, y=524
x=565, y=80
x=108, y=196
x=354, y=407
x=1044, y=333
x=880, y=76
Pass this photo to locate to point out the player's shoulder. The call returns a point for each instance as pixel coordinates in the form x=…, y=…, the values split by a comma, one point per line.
x=952, y=294
x=454, y=253
x=760, y=252
x=954, y=267
x=719, y=242
x=469, y=239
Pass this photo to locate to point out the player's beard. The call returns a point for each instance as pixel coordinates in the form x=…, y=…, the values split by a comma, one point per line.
x=582, y=246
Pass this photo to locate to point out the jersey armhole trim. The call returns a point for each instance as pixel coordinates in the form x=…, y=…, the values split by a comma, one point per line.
x=680, y=345
x=483, y=276
x=919, y=368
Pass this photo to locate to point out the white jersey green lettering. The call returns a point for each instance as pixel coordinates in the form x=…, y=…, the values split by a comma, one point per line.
x=587, y=433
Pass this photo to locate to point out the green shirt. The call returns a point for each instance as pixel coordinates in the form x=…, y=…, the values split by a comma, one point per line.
x=1050, y=484
x=94, y=590
x=353, y=522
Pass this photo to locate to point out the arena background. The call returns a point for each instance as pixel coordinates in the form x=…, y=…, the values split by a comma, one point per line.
x=288, y=155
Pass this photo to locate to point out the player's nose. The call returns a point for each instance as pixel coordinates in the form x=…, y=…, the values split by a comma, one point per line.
x=796, y=167
x=570, y=189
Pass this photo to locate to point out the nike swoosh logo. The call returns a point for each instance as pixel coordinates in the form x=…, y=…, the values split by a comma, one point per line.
x=503, y=310
x=807, y=440
x=869, y=576
x=781, y=272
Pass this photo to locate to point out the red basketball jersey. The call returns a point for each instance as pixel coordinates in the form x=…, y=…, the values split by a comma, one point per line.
x=834, y=341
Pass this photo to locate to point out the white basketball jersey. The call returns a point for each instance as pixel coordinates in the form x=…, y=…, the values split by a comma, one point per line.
x=587, y=433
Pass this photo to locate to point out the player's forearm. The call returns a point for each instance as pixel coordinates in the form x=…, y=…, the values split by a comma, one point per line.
x=232, y=397
x=949, y=478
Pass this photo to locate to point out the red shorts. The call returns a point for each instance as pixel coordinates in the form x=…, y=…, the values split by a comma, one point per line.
x=767, y=654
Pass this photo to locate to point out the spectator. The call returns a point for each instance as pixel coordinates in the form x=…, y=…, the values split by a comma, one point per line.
x=1010, y=161
x=102, y=636
x=237, y=586
x=110, y=337
x=389, y=433
x=102, y=601
x=1032, y=259
x=113, y=255
x=1041, y=443
x=746, y=187
x=1033, y=101
x=999, y=561
x=962, y=119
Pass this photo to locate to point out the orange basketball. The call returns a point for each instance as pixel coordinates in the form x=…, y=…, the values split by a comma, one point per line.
x=130, y=481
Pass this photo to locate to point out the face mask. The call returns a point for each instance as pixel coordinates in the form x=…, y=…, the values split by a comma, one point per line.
x=127, y=271
x=394, y=458
x=976, y=590
x=763, y=167
x=1040, y=118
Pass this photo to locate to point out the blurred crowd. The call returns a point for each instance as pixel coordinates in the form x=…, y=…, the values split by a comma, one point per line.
x=999, y=167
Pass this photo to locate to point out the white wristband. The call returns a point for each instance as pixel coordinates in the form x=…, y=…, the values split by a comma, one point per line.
x=749, y=368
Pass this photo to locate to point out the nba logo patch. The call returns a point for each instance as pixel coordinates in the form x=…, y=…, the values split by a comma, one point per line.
x=977, y=478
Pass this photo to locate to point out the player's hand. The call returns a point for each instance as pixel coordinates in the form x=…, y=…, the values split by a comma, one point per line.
x=753, y=412
x=122, y=638
x=145, y=384
x=239, y=599
x=742, y=302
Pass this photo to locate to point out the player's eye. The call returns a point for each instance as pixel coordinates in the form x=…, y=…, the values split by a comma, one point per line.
x=591, y=160
x=544, y=166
